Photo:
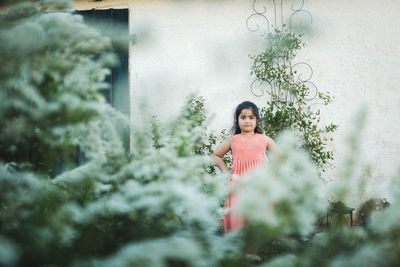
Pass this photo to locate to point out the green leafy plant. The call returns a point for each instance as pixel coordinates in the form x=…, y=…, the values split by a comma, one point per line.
x=157, y=204
x=149, y=206
x=196, y=112
x=289, y=108
x=51, y=82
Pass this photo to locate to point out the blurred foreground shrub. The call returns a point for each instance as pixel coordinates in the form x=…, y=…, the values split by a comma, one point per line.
x=158, y=204
x=152, y=206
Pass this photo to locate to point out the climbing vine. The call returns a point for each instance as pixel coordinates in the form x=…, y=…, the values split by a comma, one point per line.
x=291, y=104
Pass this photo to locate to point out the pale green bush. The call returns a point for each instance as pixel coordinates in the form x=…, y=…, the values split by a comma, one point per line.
x=158, y=204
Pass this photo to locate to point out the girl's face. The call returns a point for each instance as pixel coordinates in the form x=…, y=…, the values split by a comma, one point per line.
x=247, y=121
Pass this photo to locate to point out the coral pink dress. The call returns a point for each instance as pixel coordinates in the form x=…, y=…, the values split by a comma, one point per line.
x=248, y=152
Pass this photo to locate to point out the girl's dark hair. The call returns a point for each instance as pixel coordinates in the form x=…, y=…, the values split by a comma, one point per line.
x=240, y=107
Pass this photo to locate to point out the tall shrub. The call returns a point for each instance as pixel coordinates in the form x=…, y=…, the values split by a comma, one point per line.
x=53, y=67
x=288, y=107
x=154, y=206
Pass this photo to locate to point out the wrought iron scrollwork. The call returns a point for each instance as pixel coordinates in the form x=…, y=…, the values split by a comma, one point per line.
x=261, y=15
x=260, y=21
x=256, y=15
x=257, y=91
x=278, y=15
x=298, y=11
x=307, y=80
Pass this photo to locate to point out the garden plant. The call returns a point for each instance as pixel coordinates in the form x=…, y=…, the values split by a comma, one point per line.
x=290, y=106
x=157, y=201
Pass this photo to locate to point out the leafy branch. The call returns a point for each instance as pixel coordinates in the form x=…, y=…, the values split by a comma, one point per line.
x=289, y=107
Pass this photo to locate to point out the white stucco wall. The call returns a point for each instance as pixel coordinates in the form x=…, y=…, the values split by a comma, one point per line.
x=355, y=54
x=194, y=46
x=203, y=46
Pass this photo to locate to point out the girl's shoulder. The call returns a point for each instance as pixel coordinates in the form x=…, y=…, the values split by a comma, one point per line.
x=271, y=145
x=227, y=140
x=265, y=138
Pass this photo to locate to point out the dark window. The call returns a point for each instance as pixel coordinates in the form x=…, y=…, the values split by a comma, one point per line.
x=114, y=23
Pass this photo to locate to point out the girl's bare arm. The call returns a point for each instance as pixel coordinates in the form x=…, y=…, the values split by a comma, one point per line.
x=220, y=151
x=271, y=145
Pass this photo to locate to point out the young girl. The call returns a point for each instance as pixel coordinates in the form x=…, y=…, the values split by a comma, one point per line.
x=248, y=147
